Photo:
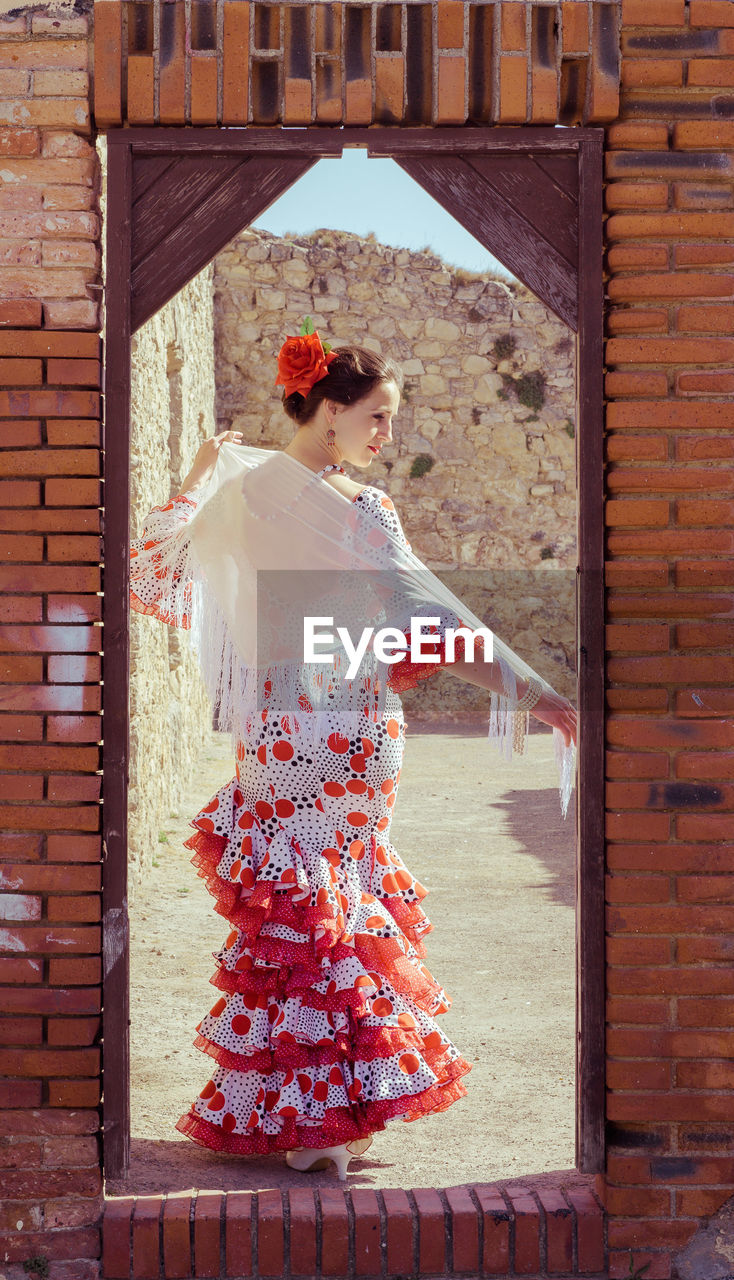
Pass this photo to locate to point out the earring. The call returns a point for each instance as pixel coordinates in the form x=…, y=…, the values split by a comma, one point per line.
x=331, y=435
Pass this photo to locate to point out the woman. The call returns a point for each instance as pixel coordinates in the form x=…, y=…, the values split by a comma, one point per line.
x=325, y=1029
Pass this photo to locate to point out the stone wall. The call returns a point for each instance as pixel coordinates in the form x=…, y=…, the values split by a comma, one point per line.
x=172, y=412
x=482, y=464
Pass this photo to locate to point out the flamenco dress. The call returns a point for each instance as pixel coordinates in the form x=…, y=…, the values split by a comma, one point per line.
x=325, y=1026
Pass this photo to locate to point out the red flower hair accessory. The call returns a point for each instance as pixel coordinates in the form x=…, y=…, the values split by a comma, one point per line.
x=302, y=360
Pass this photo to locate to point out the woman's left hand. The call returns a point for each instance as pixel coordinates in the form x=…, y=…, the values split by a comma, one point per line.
x=206, y=459
x=554, y=710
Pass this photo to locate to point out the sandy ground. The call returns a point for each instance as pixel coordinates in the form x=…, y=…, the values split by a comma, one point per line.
x=487, y=839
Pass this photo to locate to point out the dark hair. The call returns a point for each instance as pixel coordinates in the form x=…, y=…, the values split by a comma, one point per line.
x=354, y=373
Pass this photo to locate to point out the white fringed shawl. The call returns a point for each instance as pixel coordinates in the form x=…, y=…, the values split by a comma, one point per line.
x=272, y=542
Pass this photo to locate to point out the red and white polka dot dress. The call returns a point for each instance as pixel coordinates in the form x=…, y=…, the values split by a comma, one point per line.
x=325, y=1026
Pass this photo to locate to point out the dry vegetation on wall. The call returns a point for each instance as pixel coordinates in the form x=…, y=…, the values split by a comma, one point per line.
x=482, y=466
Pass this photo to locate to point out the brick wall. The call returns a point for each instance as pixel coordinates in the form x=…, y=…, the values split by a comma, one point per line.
x=670, y=514
x=50, y=696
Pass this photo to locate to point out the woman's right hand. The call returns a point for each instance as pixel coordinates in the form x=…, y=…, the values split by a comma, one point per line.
x=206, y=459
x=558, y=712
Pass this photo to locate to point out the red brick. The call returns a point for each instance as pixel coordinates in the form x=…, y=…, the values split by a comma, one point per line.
x=20, y=1093
x=238, y=1233
x=80, y=1244
x=635, y=384
x=145, y=1234
x=651, y=72
x=334, y=1233
x=496, y=1219
x=74, y=729
x=450, y=24
x=699, y=135
x=669, y=350
x=650, y=826
x=558, y=1231
x=79, y=971
x=176, y=1249
x=74, y=908
x=13, y=969
x=629, y=951
x=692, y=511
x=527, y=1230
x=451, y=107
x=140, y=89
x=66, y=608
x=358, y=102
x=54, y=462
x=636, y=257
x=50, y=1062
x=18, y=312
x=689, y=383
x=637, y=320
x=672, y=284
x=73, y=1031
x=431, y=1232
x=302, y=1231
x=207, y=1229
x=367, y=1250
x=633, y=637
x=711, y=72
x=706, y=1075
x=700, y=1203
x=389, y=77
x=671, y=415
x=65, y=432
x=74, y=1093
x=399, y=1232
x=19, y=493
x=670, y=478
x=638, y=512
x=20, y=1032
x=73, y=373
x=575, y=28
x=270, y=1233
x=20, y=434
x=235, y=61
x=297, y=105
x=76, y=848
x=653, y=13
x=711, y=13
x=513, y=86
x=706, y=319
x=639, y=1202
x=21, y=373
x=637, y=889
x=72, y=493
x=204, y=89
x=44, y=342
x=465, y=1230
x=47, y=1000
x=677, y=226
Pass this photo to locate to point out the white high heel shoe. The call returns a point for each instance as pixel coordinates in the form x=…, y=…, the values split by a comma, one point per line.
x=311, y=1159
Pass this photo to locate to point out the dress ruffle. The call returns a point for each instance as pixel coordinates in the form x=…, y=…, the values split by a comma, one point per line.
x=325, y=1028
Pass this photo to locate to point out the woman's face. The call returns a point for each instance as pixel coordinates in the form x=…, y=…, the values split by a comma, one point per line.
x=362, y=429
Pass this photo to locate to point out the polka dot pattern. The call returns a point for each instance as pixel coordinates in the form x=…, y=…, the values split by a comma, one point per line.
x=324, y=1027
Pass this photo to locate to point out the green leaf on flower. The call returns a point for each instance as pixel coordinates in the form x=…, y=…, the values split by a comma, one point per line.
x=327, y=347
x=307, y=326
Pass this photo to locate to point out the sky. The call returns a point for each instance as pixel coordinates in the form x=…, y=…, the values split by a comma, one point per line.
x=361, y=195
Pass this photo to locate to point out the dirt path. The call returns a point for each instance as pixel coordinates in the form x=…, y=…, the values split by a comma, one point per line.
x=498, y=862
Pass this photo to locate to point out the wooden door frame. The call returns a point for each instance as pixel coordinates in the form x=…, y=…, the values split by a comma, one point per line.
x=396, y=143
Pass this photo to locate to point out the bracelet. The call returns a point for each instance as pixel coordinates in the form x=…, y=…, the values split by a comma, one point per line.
x=532, y=694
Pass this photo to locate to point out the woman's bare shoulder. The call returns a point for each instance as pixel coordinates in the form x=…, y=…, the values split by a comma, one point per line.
x=346, y=486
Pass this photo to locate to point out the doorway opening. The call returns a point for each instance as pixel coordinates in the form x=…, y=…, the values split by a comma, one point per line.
x=140, y=166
